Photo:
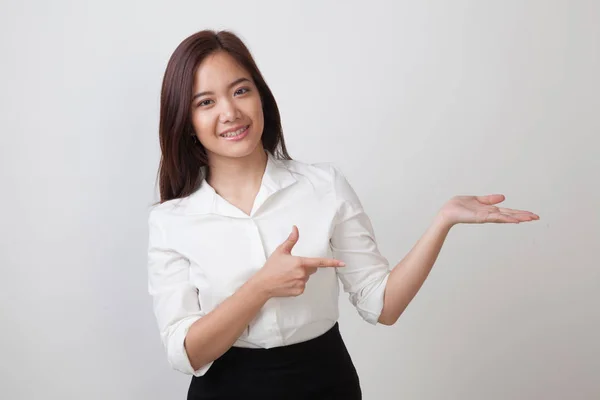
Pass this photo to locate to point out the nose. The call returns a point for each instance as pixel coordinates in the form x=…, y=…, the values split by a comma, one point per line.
x=229, y=111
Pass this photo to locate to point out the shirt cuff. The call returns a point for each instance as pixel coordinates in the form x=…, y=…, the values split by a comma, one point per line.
x=371, y=304
x=177, y=354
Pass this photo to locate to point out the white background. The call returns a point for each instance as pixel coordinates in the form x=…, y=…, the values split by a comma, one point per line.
x=415, y=101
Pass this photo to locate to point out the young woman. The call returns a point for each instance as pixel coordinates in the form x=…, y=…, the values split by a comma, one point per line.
x=247, y=245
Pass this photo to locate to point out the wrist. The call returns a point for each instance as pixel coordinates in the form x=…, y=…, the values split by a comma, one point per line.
x=258, y=288
x=443, y=221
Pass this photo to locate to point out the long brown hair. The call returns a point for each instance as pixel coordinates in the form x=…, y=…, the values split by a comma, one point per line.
x=182, y=157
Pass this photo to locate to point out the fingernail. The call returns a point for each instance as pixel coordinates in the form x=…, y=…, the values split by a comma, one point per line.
x=342, y=264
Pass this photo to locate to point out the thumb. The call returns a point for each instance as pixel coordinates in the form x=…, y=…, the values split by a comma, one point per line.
x=491, y=199
x=291, y=240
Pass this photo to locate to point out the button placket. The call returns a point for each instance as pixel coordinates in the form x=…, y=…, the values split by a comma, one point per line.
x=272, y=307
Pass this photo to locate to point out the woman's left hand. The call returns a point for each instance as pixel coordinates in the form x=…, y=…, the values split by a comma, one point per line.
x=481, y=210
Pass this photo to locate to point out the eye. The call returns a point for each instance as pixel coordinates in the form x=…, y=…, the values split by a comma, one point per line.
x=204, y=103
x=242, y=90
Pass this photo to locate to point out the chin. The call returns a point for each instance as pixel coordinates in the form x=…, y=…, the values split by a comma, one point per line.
x=239, y=150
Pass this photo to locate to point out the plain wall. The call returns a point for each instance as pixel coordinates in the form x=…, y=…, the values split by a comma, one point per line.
x=415, y=101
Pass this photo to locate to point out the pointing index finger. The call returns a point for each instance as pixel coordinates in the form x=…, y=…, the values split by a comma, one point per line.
x=322, y=262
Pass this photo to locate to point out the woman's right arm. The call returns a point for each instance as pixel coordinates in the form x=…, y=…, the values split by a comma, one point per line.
x=212, y=335
x=193, y=338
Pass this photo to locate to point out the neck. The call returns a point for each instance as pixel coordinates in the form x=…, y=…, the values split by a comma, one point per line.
x=236, y=176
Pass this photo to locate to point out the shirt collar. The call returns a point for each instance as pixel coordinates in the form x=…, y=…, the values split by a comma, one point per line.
x=205, y=199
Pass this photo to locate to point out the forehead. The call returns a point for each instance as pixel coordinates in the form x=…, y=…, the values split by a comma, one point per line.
x=217, y=71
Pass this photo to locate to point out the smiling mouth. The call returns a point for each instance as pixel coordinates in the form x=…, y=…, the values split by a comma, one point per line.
x=235, y=133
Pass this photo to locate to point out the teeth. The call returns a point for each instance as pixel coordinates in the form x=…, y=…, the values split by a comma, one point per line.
x=233, y=134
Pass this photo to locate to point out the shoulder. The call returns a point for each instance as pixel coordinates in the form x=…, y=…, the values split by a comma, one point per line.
x=324, y=175
x=324, y=172
x=159, y=212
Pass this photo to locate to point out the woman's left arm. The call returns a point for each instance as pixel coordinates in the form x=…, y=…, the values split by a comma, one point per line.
x=408, y=275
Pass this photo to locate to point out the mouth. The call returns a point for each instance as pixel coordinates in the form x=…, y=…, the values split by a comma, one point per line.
x=238, y=134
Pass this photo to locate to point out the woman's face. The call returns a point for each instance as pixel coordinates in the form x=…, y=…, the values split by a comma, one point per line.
x=226, y=109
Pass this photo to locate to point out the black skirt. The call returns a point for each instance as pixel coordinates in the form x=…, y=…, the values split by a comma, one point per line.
x=319, y=369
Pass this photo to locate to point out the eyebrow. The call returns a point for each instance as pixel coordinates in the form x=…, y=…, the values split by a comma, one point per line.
x=232, y=84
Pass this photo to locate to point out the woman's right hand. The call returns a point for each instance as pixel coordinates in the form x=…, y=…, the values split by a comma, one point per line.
x=285, y=275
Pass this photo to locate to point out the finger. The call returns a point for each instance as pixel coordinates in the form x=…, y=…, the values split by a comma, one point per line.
x=491, y=199
x=321, y=262
x=291, y=240
x=503, y=218
x=515, y=212
x=521, y=216
x=311, y=270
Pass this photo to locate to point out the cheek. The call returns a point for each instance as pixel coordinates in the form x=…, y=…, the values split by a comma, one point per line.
x=258, y=115
x=204, y=124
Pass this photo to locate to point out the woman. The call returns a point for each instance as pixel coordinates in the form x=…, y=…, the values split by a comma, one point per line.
x=247, y=245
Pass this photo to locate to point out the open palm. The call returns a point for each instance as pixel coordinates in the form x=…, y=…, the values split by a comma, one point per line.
x=481, y=210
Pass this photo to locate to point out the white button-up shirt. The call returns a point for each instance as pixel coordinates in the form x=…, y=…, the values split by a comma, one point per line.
x=202, y=249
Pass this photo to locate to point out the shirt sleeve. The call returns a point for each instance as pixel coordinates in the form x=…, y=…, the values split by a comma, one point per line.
x=353, y=241
x=175, y=299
